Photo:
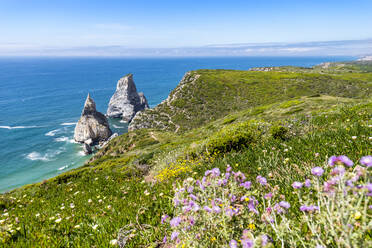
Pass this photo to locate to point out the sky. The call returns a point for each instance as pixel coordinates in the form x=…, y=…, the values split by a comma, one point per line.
x=98, y=26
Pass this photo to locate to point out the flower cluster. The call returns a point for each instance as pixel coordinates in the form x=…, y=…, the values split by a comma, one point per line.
x=227, y=210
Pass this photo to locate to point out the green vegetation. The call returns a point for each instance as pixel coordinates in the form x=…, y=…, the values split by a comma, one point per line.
x=276, y=124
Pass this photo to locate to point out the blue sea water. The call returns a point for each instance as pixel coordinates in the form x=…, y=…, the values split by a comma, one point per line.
x=41, y=100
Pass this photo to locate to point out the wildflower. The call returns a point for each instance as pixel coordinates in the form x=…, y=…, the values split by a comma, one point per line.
x=58, y=220
x=89, y=200
x=72, y=205
x=251, y=226
x=247, y=243
x=216, y=209
x=340, y=159
x=100, y=201
x=95, y=227
x=264, y=240
x=164, y=218
x=261, y=180
x=63, y=207
x=311, y=208
x=165, y=239
x=307, y=183
x=208, y=209
x=357, y=215
x=317, y=171
x=233, y=244
x=175, y=221
x=174, y=235
x=284, y=204
x=113, y=242
x=190, y=189
x=246, y=184
x=339, y=170
x=192, y=196
x=77, y=226
x=37, y=215
x=366, y=160
x=268, y=196
x=353, y=137
x=297, y=185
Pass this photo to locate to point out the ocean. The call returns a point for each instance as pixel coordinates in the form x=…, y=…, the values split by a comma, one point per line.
x=41, y=99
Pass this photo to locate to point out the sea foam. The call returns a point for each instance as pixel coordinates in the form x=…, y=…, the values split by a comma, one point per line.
x=17, y=127
x=53, y=132
x=68, y=123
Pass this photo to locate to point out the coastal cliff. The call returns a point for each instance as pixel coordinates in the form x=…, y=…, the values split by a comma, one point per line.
x=261, y=133
x=126, y=101
x=92, y=124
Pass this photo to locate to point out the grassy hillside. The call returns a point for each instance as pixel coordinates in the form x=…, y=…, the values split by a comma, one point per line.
x=206, y=95
x=122, y=193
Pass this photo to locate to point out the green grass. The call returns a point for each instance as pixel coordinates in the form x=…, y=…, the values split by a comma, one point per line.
x=216, y=93
x=119, y=179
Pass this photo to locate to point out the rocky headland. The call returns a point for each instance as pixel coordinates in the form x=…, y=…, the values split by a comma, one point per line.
x=92, y=126
x=126, y=101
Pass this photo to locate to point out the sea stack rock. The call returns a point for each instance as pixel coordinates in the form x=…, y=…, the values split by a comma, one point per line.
x=126, y=101
x=93, y=126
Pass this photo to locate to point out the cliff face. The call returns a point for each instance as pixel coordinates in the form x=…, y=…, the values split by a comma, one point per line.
x=126, y=101
x=92, y=124
x=161, y=117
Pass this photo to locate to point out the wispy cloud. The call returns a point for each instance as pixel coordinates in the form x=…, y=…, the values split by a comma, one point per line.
x=324, y=48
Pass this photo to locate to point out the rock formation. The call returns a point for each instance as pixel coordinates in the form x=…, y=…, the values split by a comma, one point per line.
x=92, y=125
x=126, y=101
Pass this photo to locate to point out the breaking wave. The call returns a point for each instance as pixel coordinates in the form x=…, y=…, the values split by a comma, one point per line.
x=17, y=127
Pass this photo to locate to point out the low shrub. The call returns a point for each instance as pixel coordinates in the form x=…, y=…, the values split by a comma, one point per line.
x=278, y=132
x=233, y=137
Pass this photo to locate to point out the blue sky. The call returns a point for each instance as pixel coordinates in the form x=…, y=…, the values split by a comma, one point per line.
x=46, y=24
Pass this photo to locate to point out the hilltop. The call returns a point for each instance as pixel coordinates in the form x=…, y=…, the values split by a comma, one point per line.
x=277, y=124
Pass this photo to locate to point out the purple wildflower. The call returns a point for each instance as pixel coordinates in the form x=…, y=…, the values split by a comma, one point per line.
x=228, y=169
x=366, y=160
x=165, y=239
x=232, y=197
x=339, y=170
x=246, y=184
x=164, y=218
x=284, y=204
x=229, y=212
x=278, y=209
x=310, y=208
x=192, y=196
x=192, y=220
x=247, y=243
x=227, y=175
x=186, y=209
x=369, y=187
x=307, y=183
x=268, y=196
x=175, y=221
x=233, y=244
x=297, y=185
x=317, y=171
x=196, y=208
x=264, y=240
x=340, y=159
x=174, y=235
x=239, y=176
x=190, y=189
x=217, y=209
x=261, y=180
x=208, y=209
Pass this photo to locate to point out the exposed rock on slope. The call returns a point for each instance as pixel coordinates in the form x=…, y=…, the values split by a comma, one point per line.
x=159, y=117
x=92, y=124
x=126, y=101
